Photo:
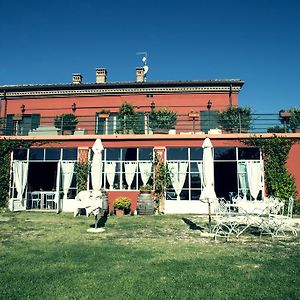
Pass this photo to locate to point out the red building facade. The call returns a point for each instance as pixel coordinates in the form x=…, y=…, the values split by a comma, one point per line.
x=28, y=113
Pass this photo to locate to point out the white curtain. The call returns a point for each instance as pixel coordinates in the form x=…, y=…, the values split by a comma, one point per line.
x=110, y=170
x=200, y=169
x=242, y=172
x=146, y=170
x=254, y=175
x=178, y=175
x=130, y=168
x=67, y=176
x=20, y=171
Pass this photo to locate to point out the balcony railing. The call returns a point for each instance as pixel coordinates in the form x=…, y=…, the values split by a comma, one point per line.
x=90, y=124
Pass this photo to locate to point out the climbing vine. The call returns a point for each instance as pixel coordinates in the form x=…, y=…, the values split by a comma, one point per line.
x=280, y=183
x=82, y=171
x=6, y=146
x=162, y=180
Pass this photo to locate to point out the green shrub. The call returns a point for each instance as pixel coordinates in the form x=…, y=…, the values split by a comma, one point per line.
x=66, y=122
x=236, y=119
x=122, y=203
x=162, y=119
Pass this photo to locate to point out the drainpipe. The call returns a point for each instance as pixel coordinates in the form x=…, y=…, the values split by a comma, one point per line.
x=5, y=109
x=230, y=95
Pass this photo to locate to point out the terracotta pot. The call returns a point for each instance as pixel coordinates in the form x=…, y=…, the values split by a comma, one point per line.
x=119, y=212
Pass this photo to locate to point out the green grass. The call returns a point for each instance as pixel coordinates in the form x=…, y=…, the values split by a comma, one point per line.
x=50, y=256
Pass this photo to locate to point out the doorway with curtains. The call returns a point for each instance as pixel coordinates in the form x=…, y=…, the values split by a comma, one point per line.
x=41, y=185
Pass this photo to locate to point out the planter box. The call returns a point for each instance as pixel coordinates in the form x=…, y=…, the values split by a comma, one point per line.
x=103, y=116
x=68, y=132
x=17, y=118
x=160, y=131
x=193, y=115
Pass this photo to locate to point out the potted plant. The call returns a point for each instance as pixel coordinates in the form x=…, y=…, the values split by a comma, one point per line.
x=127, y=119
x=145, y=203
x=162, y=120
x=145, y=189
x=235, y=119
x=104, y=113
x=294, y=121
x=66, y=123
x=121, y=205
x=17, y=117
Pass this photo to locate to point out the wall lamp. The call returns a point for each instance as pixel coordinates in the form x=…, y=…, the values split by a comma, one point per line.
x=22, y=108
x=209, y=104
x=74, y=107
x=152, y=105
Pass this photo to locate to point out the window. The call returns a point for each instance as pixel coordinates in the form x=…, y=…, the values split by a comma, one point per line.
x=22, y=125
x=184, y=164
x=127, y=168
x=111, y=125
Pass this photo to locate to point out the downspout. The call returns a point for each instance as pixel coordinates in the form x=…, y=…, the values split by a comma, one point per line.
x=230, y=95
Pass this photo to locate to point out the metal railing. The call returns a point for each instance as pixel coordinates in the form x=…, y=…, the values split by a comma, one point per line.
x=92, y=124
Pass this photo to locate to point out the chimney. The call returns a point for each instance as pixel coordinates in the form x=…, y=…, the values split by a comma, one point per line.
x=76, y=78
x=101, y=75
x=140, y=74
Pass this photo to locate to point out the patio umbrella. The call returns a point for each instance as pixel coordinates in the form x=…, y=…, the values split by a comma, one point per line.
x=96, y=168
x=208, y=192
x=96, y=176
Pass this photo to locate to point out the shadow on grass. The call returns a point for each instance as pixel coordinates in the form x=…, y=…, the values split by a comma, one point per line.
x=193, y=225
x=101, y=222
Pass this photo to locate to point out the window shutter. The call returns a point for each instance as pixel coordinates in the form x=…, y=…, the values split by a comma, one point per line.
x=101, y=126
x=9, y=125
x=35, y=121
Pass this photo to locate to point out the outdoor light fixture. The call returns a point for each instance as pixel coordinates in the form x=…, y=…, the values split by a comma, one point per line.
x=209, y=104
x=22, y=108
x=74, y=107
x=152, y=105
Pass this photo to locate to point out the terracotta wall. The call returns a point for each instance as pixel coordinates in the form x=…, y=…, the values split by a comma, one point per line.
x=133, y=195
x=293, y=165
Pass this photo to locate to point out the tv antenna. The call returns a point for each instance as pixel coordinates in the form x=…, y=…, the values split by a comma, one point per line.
x=144, y=60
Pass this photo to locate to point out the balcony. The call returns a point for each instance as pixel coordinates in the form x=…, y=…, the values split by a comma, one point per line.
x=190, y=123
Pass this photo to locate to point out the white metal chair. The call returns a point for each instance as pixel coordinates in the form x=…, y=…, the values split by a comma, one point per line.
x=226, y=223
x=49, y=198
x=35, y=200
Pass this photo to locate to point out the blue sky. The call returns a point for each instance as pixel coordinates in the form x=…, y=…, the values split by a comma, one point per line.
x=257, y=41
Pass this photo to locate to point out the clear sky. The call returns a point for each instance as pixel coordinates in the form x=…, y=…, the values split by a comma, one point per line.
x=258, y=41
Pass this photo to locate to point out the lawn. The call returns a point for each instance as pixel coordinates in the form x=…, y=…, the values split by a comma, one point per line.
x=52, y=256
